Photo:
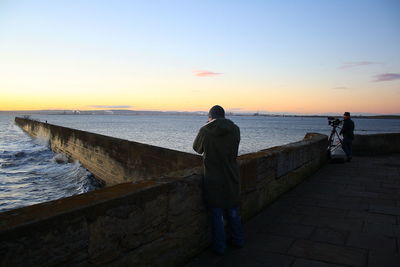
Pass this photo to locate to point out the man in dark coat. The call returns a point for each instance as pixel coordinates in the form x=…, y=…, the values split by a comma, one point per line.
x=348, y=135
x=218, y=141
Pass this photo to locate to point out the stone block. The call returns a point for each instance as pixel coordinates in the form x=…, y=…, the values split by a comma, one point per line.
x=290, y=230
x=372, y=241
x=330, y=235
x=379, y=258
x=247, y=257
x=265, y=242
x=384, y=210
x=46, y=245
x=266, y=168
x=312, y=263
x=111, y=235
x=329, y=253
x=379, y=228
x=186, y=207
x=248, y=174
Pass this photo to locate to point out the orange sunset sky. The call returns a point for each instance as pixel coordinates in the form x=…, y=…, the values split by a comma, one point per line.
x=301, y=57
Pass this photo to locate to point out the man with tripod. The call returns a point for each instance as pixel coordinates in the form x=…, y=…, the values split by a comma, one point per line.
x=348, y=135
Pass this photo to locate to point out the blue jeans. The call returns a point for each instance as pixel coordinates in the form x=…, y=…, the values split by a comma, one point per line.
x=346, y=146
x=235, y=229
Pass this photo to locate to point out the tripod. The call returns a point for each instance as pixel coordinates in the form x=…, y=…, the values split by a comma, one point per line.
x=334, y=141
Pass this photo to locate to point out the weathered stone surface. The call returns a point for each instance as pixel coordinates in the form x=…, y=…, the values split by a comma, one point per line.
x=330, y=235
x=331, y=253
x=375, y=144
x=372, y=241
x=110, y=236
x=312, y=263
x=322, y=233
x=379, y=258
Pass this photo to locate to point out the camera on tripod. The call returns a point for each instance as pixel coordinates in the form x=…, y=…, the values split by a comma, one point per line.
x=334, y=141
x=334, y=122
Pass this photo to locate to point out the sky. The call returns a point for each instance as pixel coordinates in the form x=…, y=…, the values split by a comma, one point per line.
x=273, y=56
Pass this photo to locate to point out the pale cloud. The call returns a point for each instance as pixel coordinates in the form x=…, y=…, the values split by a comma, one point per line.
x=387, y=77
x=348, y=65
x=205, y=73
x=234, y=109
x=110, y=106
x=340, y=88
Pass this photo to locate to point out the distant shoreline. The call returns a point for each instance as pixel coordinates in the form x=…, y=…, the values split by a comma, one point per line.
x=180, y=113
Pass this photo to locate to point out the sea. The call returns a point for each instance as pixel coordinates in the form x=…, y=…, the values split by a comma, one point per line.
x=31, y=173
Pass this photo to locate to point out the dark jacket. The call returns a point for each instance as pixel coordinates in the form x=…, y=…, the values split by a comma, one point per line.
x=219, y=140
x=348, y=129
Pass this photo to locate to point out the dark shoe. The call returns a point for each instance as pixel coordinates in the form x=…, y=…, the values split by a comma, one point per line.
x=348, y=159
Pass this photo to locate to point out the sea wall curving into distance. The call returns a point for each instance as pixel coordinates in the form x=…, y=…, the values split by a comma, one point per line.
x=110, y=159
x=157, y=222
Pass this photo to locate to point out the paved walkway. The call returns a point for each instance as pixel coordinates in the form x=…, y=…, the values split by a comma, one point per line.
x=345, y=215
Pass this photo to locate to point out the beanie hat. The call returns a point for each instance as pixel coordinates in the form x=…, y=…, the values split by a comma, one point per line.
x=216, y=112
x=347, y=114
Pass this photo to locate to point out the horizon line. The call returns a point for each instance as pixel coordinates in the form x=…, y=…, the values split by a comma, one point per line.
x=247, y=112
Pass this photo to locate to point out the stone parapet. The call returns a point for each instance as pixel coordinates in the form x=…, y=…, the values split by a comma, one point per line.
x=162, y=222
x=375, y=144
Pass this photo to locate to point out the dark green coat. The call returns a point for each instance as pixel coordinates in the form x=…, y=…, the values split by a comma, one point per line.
x=219, y=140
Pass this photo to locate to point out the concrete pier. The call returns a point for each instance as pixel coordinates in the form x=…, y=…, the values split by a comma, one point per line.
x=152, y=212
x=344, y=215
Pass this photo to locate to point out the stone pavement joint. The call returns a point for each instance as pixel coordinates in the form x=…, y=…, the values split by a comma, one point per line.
x=344, y=215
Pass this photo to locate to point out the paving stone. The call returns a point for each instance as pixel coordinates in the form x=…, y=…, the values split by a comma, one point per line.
x=329, y=253
x=392, y=196
x=381, y=218
x=291, y=230
x=378, y=189
x=306, y=210
x=384, y=210
x=207, y=258
x=338, y=204
x=333, y=212
x=330, y=235
x=305, y=201
x=269, y=243
x=379, y=228
x=359, y=193
x=255, y=258
x=391, y=185
x=292, y=218
x=383, y=258
x=381, y=202
x=352, y=189
x=372, y=241
x=327, y=196
x=346, y=224
x=356, y=214
x=396, y=230
x=342, y=216
x=311, y=263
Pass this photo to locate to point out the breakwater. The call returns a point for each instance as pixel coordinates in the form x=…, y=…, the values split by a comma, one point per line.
x=111, y=160
x=159, y=221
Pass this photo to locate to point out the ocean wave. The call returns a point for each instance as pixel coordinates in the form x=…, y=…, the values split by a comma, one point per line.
x=31, y=173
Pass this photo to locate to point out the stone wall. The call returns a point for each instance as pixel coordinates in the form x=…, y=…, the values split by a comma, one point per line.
x=110, y=159
x=162, y=222
x=375, y=144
